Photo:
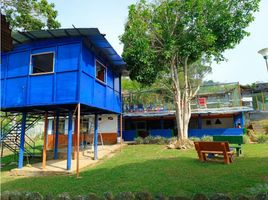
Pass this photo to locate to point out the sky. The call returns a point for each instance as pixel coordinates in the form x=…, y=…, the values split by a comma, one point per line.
x=243, y=63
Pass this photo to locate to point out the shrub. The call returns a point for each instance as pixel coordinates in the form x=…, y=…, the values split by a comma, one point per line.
x=207, y=138
x=246, y=139
x=143, y=196
x=220, y=197
x=259, y=188
x=259, y=192
x=138, y=140
x=261, y=196
x=15, y=195
x=262, y=138
x=159, y=140
x=152, y=140
x=178, y=198
x=200, y=197
x=5, y=195
x=242, y=197
x=49, y=197
x=34, y=196
x=148, y=140
x=63, y=196
x=125, y=195
x=108, y=196
x=194, y=139
x=172, y=140
x=93, y=196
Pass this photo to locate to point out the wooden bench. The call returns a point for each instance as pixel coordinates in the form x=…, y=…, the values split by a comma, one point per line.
x=223, y=148
x=236, y=140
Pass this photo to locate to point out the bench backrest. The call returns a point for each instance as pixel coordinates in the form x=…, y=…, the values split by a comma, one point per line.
x=212, y=146
x=231, y=139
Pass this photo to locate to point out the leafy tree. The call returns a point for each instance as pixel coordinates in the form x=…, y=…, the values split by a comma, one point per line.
x=131, y=86
x=30, y=14
x=176, y=40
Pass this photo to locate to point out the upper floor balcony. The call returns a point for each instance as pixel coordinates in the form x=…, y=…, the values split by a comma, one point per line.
x=210, y=97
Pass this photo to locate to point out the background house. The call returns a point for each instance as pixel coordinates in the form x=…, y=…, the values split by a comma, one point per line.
x=216, y=110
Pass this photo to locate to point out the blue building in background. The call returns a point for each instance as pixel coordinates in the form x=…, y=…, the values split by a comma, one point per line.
x=63, y=72
x=218, y=109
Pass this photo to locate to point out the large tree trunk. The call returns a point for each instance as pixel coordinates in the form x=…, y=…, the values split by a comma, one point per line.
x=183, y=115
x=182, y=99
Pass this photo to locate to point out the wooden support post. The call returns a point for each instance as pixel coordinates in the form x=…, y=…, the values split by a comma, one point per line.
x=262, y=99
x=75, y=138
x=240, y=94
x=78, y=138
x=45, y=142
x=257, y=102
x=69, y=146
x=22, y=140
x=56, y=144
x=96, y=137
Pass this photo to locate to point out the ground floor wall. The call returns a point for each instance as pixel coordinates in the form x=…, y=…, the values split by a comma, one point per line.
x=85, y=139
x=108, y=130
x=200, y=125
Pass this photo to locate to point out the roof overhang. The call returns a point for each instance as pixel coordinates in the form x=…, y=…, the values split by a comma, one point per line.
x=226, y=110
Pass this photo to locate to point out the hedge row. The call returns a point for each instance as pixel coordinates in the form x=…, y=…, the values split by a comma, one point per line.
x=122, y=196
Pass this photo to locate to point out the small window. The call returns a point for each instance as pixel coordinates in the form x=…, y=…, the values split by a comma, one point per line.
x=208, y=122
x=42, y=63
x=218, y=121
x=100, y=72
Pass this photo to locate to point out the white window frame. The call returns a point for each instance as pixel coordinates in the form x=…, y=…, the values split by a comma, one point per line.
x=41, y=73
x=105, y=75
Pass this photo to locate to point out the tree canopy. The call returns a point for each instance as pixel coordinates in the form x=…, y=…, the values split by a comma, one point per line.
x=191, y=29
x=30, y=14
x=175, y=41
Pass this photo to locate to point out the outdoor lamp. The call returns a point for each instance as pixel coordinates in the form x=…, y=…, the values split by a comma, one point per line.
x=264, y=53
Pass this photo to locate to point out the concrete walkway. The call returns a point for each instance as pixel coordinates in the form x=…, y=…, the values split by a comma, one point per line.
x=58, y=167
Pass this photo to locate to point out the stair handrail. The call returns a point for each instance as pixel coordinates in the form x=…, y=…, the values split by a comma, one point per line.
x=10, y=120
x=17, y=125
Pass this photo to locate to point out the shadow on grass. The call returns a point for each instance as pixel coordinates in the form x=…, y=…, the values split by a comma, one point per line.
x=10, y=161
x=170, y=176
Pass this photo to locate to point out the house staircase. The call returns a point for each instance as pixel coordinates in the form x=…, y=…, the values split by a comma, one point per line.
x=11, y=130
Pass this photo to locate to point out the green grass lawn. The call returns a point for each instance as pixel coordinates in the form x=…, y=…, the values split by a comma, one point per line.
x=157, y=170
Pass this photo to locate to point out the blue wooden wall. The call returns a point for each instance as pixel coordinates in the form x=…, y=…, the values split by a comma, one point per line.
x=72, y=81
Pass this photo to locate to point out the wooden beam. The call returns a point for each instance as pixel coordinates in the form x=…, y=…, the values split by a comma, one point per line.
x=78, y=139
x=75, y=138
x=257, y=102
x=45, y=142
x=262, y=99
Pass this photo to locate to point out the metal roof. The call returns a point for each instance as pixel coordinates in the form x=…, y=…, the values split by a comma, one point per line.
x=226, y=110
x=96, y=39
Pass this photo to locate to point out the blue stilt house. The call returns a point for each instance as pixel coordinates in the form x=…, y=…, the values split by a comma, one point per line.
x=62, y=72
